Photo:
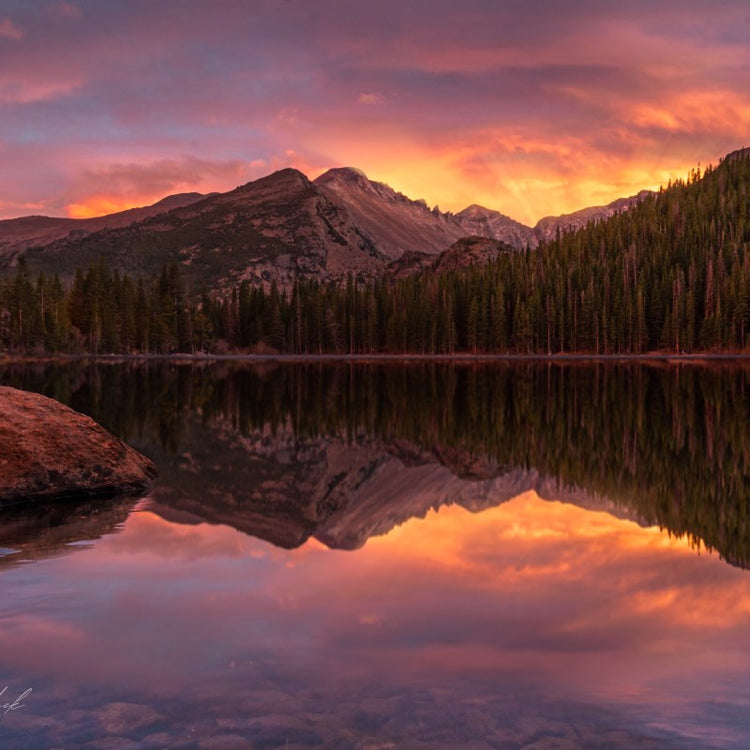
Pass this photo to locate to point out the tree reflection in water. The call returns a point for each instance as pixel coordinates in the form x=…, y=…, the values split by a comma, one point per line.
x=668, y=443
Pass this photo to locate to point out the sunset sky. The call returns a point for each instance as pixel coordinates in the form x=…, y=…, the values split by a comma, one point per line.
x=530, y=107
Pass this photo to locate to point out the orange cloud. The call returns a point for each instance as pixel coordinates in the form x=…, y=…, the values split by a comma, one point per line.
x=371, y=98
x=101, y=205
x=450, y=535
x=698, y=111
x=150, y=536
x=521, y=175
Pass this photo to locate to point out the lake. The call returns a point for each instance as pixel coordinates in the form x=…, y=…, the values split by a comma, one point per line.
x=390, y=556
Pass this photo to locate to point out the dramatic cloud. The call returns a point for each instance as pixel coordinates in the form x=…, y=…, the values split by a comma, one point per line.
x=530, y=108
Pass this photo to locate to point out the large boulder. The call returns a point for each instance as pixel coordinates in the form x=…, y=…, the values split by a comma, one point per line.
x=49, y=451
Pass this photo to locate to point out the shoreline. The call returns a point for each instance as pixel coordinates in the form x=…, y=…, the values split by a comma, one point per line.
x=654, y=357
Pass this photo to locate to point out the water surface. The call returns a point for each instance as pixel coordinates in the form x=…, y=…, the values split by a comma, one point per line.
x=391, y=557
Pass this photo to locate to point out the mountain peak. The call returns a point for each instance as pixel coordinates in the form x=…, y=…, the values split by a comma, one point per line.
x=287, y=180
x=346, y=182
x=476, y=211
x=288, y=174
x=486, y=222
x=343, y=174
x=281, y=227
x=178, y=200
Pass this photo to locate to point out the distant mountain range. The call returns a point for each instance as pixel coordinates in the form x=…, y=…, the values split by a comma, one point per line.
x=280, y=228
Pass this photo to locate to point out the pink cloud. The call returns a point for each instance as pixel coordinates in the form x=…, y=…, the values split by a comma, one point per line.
x=18, y=91
x=9, y=30
x=371, y=98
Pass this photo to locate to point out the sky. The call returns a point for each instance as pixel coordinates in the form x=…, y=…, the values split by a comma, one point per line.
x=529, y=107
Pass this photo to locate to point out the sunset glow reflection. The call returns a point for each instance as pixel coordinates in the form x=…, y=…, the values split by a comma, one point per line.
x=531, y=595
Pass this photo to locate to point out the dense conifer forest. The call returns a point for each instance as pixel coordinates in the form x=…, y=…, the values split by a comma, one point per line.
x=671, y=274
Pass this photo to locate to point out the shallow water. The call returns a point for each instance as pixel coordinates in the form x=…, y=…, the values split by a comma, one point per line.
x=390, y=558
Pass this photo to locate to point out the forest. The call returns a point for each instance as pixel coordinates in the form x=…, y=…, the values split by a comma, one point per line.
x=677, y=457
x=672, y=275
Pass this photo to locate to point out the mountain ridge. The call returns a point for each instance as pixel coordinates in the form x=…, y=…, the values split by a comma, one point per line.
x=23, y=232
x=277, y=229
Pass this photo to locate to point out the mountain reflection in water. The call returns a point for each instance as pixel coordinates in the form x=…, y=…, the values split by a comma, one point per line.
x=459, y=557
x=277, y=450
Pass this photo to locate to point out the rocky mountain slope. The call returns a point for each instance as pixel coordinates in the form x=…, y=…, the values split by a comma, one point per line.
x=396, y=223
x=468, y=251
x=279, y=228
x=17, y=235
x=479, y=221
x=546, y=228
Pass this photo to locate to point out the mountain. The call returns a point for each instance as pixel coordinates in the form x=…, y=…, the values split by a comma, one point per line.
x=670, y=274
x=484, y=222
x=546, y=228
x=277, y=486
x=343, y=451
x=17, y=235
x=396, y=223
x=468, y=251
x=284, y=488
x=279, y=228
x=401, y=225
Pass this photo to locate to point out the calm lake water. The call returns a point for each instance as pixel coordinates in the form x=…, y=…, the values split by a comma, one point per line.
x=388, y=557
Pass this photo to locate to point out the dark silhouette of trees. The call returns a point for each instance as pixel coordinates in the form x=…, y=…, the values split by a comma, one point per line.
x=671, y=274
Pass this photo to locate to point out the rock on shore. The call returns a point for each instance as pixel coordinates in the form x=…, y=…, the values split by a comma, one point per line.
x=49, y=451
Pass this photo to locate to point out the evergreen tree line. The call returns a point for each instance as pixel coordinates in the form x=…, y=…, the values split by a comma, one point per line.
x=671, y=274
x=678, y=456
x=101, y=312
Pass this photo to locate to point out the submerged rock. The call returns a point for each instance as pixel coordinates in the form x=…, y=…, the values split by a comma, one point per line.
x=49, y=451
